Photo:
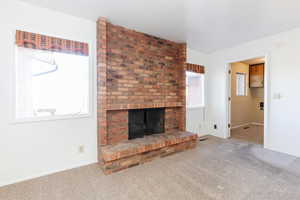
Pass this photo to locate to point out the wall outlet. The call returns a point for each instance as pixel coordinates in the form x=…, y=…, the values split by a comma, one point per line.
x=81, y=149
x=215, y=126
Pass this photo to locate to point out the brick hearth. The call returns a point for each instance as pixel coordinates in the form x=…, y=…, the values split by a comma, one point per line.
x=134, y=152
x=138, y=71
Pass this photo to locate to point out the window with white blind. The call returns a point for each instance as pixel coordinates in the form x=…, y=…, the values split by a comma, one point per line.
x=50, y=84
x=194, y=89
x=241, y=89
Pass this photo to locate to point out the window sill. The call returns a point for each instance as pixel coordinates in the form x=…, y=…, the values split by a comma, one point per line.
x=192, y=107
x=50, y=118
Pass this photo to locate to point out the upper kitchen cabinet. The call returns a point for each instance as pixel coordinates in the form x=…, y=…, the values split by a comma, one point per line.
x=256, y=75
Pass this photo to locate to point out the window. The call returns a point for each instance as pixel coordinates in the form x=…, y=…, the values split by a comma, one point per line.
x=241, y=84
x=51, y=84
x=194, y=89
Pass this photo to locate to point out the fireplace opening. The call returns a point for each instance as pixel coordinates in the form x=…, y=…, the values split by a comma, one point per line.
x=146, y=122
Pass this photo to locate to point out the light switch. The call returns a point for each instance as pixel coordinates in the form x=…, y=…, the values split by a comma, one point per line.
x=81, y=149
x=277, y=96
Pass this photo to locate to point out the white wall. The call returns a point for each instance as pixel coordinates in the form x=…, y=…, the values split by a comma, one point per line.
x=196, y=117
x=284, y=71
x=30, y=150
x=33, y=149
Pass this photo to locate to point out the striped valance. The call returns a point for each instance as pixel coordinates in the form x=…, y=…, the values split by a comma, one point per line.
x=195, y=68
x=42, y=42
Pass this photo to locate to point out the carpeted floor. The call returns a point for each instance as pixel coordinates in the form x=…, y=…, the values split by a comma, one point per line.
x=216, y=169
x=251, y=133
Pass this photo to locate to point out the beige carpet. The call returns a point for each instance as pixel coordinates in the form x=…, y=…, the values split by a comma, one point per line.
x=251, y=133
x=217, y=169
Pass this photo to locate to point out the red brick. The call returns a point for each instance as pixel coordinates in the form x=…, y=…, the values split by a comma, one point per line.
x=137, y=70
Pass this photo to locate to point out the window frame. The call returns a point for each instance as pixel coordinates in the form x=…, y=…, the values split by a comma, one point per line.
x=91, y=92
x=237, y=84
x=203, y=105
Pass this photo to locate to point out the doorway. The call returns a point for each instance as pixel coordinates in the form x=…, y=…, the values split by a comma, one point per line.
x=247, y=100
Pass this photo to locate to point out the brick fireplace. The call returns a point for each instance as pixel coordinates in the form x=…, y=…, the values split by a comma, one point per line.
x=141, y=89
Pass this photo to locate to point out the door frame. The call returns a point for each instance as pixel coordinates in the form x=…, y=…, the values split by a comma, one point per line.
x=266, y=95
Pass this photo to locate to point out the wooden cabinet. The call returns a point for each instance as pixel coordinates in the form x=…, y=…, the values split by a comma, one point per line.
x=256, y=76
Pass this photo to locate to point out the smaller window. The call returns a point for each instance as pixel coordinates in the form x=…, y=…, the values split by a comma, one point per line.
x=241, y=84
x=194, y=89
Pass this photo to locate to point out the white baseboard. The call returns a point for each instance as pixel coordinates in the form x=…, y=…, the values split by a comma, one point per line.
x=257, y=123
x=247, y=124
x=241, y=125
x=21, y=179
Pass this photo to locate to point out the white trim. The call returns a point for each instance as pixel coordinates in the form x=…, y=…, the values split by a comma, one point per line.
x=195, y=106
x=228, y=95
x=257, y=124
x=247, y=124
x=26, y=178
x=50, y=118
x=241, y=125
x=266, y=95
x=92, y=103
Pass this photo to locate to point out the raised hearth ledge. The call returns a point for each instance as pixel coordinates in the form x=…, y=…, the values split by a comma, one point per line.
x=143, y=106
x=141, y=145
x=139, y=151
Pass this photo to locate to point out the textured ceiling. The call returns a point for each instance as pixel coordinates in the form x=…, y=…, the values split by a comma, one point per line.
x=206, y=25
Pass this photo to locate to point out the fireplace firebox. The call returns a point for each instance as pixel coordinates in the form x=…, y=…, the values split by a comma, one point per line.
x=145, y=122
